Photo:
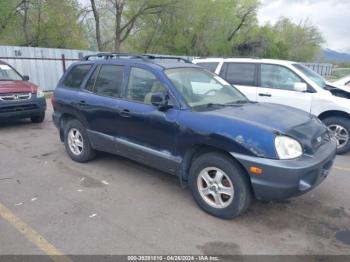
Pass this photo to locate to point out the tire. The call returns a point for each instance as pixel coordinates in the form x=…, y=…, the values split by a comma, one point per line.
x=341, y=127
x=38, y=119
x=213, y=164
x=79, y=149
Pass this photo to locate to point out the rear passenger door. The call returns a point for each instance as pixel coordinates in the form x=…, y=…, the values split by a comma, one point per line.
x=243, y=76
x=99, y=103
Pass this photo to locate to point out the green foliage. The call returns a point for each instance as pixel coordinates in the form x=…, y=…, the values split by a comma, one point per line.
x=45, y=23
x=179, y=27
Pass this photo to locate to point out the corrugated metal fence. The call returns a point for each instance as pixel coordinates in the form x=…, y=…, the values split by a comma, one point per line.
x=45, y=66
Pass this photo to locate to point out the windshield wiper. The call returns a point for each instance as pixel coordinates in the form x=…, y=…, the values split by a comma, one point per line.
x=215, y=104
x=238, y=102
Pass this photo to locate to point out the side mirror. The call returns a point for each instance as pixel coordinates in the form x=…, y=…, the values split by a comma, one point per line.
x=300, y=87
x=26, y=78
x=161, y=101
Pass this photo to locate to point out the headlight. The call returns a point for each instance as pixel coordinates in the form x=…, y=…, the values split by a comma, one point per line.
x=39, y=93
x=287, y=148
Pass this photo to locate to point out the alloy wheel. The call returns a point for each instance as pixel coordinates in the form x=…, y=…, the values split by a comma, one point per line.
x=215, y=187
x=340, y=133
x=75, y=141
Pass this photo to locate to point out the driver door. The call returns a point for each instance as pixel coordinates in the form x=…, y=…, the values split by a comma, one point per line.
x=277, y=86
x=147, y=133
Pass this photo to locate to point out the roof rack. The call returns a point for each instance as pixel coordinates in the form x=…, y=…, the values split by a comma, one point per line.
x=110, y=55
x=177, y=58
x=148, y=57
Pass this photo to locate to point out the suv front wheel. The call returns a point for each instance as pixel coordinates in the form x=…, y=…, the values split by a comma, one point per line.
x=38, y=119
x=340, y=127
x=219, y=185
x=77, y=142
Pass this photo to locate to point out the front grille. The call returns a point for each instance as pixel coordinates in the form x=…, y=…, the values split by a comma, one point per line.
x=16, y=97
x=17, y=108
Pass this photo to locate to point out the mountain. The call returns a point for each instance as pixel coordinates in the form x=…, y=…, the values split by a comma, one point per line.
x=334, y=56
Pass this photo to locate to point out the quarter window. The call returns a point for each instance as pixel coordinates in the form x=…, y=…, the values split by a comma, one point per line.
x=142, y=84
x=239, y=73
x=76, y=76
x=109, y=81
x=278, y=77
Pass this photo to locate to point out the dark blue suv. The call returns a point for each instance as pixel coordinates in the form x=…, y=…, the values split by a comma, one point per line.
x=182, y=119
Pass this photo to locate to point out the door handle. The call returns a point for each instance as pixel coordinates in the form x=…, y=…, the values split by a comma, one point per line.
x=265, y=94
x=125, y=113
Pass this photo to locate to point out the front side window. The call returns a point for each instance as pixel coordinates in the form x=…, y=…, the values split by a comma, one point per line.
x=108, y=82
x=142, y=84
x=202, y=89
x=211, y=66
x=8, y=74
x=76, y=76
x=316, y=78
x=239, y=73
x=278, y=77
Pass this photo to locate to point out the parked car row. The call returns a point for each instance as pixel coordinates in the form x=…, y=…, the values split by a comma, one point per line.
x=291, y=84
x=232, y=130
x=178, y=117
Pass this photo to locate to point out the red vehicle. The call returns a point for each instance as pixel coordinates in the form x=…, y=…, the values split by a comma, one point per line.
x=19, y=98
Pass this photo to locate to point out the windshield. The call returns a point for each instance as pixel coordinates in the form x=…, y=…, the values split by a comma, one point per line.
x=316, y=78
x=7, y=73
x=201, y=88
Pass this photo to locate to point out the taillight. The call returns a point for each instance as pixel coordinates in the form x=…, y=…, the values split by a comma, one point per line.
x=52, y=100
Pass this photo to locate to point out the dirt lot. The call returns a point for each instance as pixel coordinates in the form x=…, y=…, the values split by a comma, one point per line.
x=49, y=204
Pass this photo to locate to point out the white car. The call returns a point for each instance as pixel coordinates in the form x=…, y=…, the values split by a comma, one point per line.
x=291, y=84
x=345, y=81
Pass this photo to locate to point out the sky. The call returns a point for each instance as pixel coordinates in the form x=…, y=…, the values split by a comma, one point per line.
x=332, y=17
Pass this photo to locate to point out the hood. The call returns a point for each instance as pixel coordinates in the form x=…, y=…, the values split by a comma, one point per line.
x=285, y=120
x=17, y=86
x=269, y=116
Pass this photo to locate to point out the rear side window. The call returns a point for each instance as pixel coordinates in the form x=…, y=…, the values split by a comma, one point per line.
x=210, y=66
x=76, y=76
x=108, y=82
x=90, y=85
x=239, y=73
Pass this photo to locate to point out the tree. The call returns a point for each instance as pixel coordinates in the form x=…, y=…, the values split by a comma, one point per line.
x=196, y=27
x=46, y=23
x=125, y=15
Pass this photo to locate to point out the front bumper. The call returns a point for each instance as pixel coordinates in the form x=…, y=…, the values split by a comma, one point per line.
x=282, y=179
x=22, y=109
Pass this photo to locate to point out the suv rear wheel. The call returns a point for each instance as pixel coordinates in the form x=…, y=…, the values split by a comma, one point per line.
x=77, y=142
x=219, y=185
x=341, y=129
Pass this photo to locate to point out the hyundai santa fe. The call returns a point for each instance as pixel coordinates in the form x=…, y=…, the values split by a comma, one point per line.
x=184, y=120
